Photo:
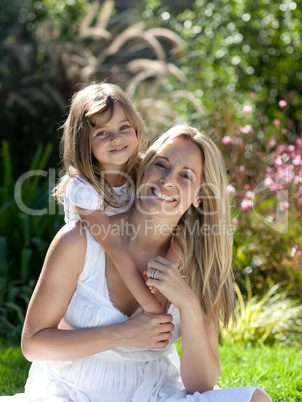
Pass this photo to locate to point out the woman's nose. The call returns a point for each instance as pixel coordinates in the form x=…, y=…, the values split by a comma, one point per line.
x=168, y=180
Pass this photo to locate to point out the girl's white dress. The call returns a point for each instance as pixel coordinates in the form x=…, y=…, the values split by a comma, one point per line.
x=80, y=193
x=118, y=375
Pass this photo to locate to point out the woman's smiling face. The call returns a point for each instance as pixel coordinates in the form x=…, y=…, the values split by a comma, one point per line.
x=172, y=181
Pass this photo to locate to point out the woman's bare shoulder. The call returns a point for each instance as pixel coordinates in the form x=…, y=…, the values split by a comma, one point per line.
x=71, y=237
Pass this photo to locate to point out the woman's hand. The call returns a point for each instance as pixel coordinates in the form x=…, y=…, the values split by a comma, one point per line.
x=199, y=366
x=147, y=331
x=169, y=282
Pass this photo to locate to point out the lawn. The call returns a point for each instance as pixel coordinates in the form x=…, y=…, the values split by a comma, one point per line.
x=278, y=370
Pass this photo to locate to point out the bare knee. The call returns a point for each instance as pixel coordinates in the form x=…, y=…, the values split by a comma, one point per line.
x=259, y=396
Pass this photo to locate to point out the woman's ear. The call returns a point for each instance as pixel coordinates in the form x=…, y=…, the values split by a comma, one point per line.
x=197, y=202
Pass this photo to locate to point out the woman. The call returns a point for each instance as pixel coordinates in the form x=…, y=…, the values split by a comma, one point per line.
x=117, y=352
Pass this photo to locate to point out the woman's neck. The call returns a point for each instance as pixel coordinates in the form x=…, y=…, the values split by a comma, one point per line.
x=149, y=235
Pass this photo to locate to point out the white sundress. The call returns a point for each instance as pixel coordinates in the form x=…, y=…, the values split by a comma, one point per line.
x=80, y=193
x=119, y=375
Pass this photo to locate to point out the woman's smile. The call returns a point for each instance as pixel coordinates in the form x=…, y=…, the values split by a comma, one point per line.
x=162, y=196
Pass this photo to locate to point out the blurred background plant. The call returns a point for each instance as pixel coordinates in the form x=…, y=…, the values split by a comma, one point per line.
x=268, y=319
x=29, y=220
x=232, y=69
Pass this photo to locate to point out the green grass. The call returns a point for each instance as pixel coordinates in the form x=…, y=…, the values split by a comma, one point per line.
x=276, y=369
x=13, y=369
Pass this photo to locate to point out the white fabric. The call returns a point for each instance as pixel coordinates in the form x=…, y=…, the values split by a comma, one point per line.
x=80, y=193
x=118, y=375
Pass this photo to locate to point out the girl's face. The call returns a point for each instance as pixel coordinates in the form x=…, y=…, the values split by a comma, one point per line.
x=113, y=141
x=172, y=182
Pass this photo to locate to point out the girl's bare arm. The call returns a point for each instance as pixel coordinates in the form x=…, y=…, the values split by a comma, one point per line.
x=101, y=228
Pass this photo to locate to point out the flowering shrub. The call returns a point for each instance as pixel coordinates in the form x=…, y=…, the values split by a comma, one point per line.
x=265, y=184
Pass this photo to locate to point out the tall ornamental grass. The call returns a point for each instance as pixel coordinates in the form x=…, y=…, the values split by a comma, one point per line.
x=270, y=319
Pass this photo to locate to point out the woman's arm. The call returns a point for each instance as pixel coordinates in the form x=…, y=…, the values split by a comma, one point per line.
x=104, y=233
x=41, y=338
x=199, y=365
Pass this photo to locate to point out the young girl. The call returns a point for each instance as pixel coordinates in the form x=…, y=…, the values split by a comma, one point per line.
x=101, y=142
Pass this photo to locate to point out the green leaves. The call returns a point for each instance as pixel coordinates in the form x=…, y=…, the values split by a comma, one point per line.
x=28, y=217
x=24, y=237
x=268, y=319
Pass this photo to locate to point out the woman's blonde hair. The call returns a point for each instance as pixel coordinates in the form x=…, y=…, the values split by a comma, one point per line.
x=87, y=104
x=205, y=233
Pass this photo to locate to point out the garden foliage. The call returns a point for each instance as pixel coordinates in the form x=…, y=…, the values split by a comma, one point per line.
x=28, y=221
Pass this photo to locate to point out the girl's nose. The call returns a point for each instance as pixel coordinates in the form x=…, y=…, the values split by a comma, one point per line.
x=115, y=136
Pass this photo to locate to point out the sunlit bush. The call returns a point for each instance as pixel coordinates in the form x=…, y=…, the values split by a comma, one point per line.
x=269, y=319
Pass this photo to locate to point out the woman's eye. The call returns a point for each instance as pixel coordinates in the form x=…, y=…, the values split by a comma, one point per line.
x=186, y=176
x=160, y=164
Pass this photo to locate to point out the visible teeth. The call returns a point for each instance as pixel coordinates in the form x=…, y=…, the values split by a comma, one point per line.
x=118, y=149
x=163, y=196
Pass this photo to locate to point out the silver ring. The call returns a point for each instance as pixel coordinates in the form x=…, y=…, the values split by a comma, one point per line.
x=154, y=273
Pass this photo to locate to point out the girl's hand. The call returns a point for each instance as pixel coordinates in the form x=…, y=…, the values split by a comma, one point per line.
x=148, y=331
x=169, y=282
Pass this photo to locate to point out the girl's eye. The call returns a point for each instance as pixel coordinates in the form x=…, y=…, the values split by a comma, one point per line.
x=102, y=133
x=125, y=127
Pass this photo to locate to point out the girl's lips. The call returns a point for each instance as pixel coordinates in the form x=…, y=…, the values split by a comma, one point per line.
x=162, y=196
x=118, y=150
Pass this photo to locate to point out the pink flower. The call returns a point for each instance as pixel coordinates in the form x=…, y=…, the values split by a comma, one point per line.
x=231, y=189
x=246, y=204
x=227, y=140
x=280, y=149
x=247, y=129
x=282, y=104
x=247, y=109
x=290, y=148
x=283, y=131
x=276, y=122
x=249, y=195
x=278, y=161
x=299, y=142
x=297, y=180
x=272, y=143
x=235, y=221
x=283, y=205
x=268, y=182
x=293, y=251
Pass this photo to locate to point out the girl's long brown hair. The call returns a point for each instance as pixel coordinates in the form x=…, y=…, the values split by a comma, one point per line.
x=87, y=104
